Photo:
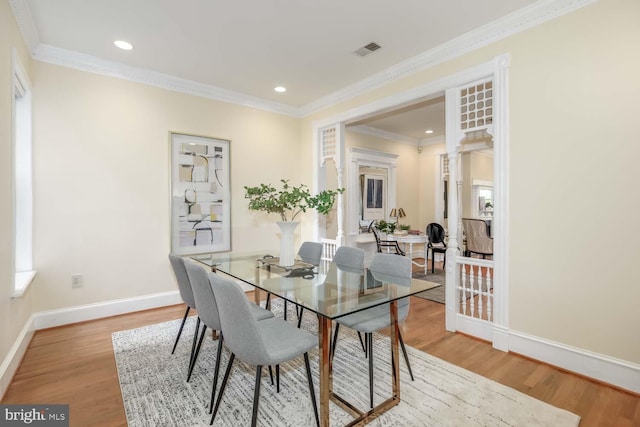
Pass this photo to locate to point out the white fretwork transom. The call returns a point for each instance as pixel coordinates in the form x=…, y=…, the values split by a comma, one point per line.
x=476, y=106
x=328, y=143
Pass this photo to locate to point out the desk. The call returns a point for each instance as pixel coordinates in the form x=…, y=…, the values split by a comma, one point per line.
x=410, y=240
x=331, y=293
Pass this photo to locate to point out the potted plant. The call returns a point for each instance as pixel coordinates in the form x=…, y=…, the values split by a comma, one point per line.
x=385, y=227
x=289, y=201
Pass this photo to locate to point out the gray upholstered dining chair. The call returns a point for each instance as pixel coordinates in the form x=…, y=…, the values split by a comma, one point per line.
x=349, y=257
x=311, y=253
x=268, y=342
x=186, y=293
x=208, y=312
x=384, y=267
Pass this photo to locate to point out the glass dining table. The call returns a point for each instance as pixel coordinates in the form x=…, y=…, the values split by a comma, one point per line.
x=330, y=291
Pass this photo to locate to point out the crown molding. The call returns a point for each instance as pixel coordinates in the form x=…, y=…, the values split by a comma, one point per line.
x=92, y=64
x=381, y=133
x=26, y=24
x=520, y=20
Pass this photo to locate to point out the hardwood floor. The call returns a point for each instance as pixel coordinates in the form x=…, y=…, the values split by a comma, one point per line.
x=74, y=364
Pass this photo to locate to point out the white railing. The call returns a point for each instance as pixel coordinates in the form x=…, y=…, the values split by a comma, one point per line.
x=475, y=288
x=328, y=250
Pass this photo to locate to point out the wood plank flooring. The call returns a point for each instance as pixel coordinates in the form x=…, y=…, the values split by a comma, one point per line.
x=74, y=364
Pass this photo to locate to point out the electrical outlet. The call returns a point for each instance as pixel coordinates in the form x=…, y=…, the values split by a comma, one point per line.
x=76, y=280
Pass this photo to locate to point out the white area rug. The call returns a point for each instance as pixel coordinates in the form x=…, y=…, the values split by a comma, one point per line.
x=155, y=392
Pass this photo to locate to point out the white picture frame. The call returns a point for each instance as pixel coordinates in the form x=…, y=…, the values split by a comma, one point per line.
x=200, y=194
x=374, y=197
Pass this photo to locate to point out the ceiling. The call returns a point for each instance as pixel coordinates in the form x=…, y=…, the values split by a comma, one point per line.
x=248, y=48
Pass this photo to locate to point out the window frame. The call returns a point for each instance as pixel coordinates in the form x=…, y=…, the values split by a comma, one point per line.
x=22, y=177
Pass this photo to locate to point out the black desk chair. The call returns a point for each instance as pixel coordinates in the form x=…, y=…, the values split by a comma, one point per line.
x=386, y=244
x=436, y=243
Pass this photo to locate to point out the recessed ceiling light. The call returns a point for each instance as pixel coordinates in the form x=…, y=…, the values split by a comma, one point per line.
x=123, y=44
x=428, y=131
x=280, y=89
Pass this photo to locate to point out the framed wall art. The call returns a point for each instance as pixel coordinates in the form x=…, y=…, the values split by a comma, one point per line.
x=200, y=195
x=374, y=194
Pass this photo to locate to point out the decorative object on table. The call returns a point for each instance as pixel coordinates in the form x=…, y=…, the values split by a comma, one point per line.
x=289, y=202
x=397, y=213
x=200, y=196
x=384, y=227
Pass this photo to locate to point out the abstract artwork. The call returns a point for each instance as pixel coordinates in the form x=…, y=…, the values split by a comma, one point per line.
x=200, y=196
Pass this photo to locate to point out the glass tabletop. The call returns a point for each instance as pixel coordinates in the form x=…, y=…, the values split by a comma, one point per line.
x=329, y=290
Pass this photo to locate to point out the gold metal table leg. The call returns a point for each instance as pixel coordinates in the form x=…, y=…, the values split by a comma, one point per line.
x=324, y=337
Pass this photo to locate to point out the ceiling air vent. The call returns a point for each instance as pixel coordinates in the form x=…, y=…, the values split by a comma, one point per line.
x=366, y=50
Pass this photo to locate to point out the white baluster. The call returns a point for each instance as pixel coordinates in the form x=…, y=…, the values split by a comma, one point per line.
x=480, y=293
x=472, y=277
x=462, y=287
x=489, y=297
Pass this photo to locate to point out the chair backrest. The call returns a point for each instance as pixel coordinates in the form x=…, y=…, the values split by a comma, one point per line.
x=375, y=234
x=239, y=327
x=349, y=257
x=435, y=233
x=184, y=286
x=478, y=240
x=310, y=252
x=391, y=264
x=396, y=269
x=205, y=300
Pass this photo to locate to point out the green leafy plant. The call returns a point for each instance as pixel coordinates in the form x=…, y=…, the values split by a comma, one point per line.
x=385, y=227
x=289, y=201
x=404, y=227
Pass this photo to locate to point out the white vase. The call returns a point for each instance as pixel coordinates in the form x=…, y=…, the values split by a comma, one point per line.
x=287, y=248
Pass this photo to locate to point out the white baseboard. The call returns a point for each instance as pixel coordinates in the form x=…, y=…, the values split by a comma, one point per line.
x=619, y=373
x=81, y=313
x=12, y=361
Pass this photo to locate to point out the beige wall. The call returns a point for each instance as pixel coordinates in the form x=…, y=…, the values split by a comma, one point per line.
x=475, y=166
x=102, y=180
x=573, y=92
x=13, y=313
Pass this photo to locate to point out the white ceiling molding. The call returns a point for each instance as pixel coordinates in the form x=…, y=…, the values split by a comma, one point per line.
x=27, y=25
x=525, y=18
x=380, y=133
x=92, y=64
x=432, y=140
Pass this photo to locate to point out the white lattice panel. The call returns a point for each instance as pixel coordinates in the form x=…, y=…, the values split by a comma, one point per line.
x=328, y=143
x=476, y=106
x=444, y=167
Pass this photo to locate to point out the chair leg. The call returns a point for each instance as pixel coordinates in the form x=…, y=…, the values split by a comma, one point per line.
x=370, y=342
x=256, y=396
x=300, y=317
x=193, y=346
x=277, y=378
x=406, y=357
x=267, y=304
x=222, y=387
x=364, y=348
x=444, y=260
x=184, y=319
x=311, y=391
x=285, y=309
x=192, y=362
x=433, y=261
x=216, y=372
x=271, y=374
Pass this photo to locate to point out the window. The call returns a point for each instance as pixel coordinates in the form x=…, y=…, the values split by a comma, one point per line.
x=22, y=179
